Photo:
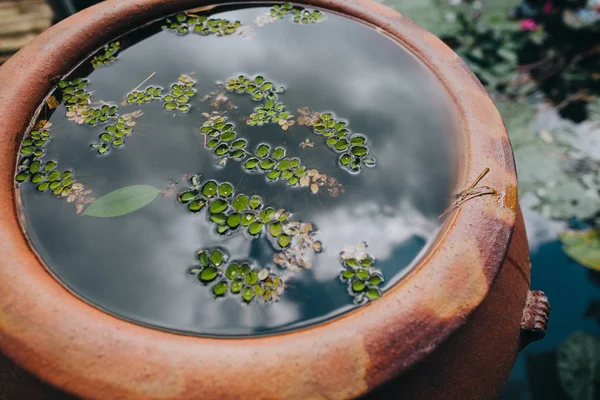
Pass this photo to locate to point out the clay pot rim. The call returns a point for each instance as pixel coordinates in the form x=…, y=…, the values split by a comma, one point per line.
x=85, y=351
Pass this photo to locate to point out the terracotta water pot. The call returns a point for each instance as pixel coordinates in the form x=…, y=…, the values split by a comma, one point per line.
x=451, y=329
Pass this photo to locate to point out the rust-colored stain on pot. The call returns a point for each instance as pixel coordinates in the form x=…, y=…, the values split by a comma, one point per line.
x=84, y=351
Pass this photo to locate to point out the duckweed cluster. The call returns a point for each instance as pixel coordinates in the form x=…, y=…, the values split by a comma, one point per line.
x=301, y=15
x=92, y=116
x=230, y=212
x=184, y=23
x=180, y=94
x=274, y=163
x=114, y=135
x=354, y=153
x=74, y=93
x=239, y=278
x=271, y=113
x=44, y=174
x=145, y=96
x=109, y=55
x=258, y=87
x=223, y=139
x=363, y=279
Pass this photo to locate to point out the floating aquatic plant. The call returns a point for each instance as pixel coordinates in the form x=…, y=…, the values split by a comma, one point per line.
x=114, y=135
x=354, y=153
x=257, y=87
x=362, y=277
x=271, y=113
x=74, y=94
x=184, y=23
x=109, y=55
x=223, y=139
x=144, y=96
x=301, y=15
x=231, y=211
x=44, y=174
x=238, y=278
x=92, y=116
x=179, y=96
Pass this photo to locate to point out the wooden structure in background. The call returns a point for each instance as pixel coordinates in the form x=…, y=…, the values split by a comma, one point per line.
x=21, y=21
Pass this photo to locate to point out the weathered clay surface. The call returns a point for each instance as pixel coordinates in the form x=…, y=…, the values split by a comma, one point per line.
x=82, y=350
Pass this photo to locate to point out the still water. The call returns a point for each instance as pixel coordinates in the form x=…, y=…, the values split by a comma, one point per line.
x=137, y=266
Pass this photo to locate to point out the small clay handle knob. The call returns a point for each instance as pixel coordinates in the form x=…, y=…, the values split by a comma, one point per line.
x=535, y=317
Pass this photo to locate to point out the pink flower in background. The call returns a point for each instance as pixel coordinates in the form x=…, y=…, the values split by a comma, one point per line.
x=527, y=25
x=548, y=7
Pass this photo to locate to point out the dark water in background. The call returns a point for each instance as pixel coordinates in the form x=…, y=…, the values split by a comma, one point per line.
x=136, y=266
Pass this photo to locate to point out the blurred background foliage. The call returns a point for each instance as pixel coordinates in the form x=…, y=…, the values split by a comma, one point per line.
x=540, y=62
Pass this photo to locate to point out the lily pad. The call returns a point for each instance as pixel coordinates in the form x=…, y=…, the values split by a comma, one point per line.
x=583, y=247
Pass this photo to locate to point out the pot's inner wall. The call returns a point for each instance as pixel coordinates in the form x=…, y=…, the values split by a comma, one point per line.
x=137, y=266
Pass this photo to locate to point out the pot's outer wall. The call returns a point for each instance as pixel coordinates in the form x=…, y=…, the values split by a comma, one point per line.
x=82, y=350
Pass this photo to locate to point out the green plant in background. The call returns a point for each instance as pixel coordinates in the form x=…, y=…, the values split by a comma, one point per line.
x=179, y=96
x=578, y=365
x=301, y=15
x=144, y=96
x=110, y=52
x=183, y=23
x=239, y=278
x=362, y=277
x=583, y=246
x=34, y=169
x=354, y=154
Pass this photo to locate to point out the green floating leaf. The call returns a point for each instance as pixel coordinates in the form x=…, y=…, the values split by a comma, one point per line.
x=234, y=220
x=583, y=247
x=210, y=189
x=283, y=241
x=248, y=294
x=362, y=273
x=204, y=259
x=348, y=274
x=262, y=150
x=122, y=201
x=209, y=274
x=255, y=202
x=216, y=257
x=375, y=280
x=225, y=190
x=358, y=286
x=578, y=365
x=240, y=203
x=218, y=206
x=220, y=288
x=232, y=271
x=255, y=228
x=275, y=229
x=197, y=205
x=236, y=286
x=373, y=293
x=251, y=163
